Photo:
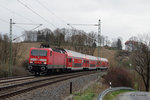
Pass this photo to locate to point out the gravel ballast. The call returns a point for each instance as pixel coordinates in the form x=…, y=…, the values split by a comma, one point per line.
x=59, y=90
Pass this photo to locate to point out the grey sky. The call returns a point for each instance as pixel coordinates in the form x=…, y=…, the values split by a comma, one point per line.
x=120, y=18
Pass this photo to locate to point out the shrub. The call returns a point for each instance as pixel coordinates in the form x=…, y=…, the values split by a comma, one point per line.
x=119, y=77
x=25, y=64
x=3, y=70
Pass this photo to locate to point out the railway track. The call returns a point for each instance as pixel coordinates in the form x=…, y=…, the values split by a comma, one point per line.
x=15, y=77
x=17, y=88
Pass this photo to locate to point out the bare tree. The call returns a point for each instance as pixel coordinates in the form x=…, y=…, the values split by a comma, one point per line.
x=60, y=36
x=4, y=48
x=114, y=43
x=30, y=36
x=141, y=60
x=107, y=41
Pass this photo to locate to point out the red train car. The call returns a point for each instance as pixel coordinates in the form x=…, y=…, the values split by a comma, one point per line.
x=74, y=60
x=86, y=63
x=104, y=63
x=43, y=60
x=92, y=62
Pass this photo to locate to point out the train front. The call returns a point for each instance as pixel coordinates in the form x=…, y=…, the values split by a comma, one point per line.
x=38, y=61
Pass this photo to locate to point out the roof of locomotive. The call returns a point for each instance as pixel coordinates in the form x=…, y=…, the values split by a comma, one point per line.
x=40, y=48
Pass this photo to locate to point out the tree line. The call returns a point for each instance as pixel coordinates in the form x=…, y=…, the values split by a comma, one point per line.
x=5, y=50
x=76, y=38
x=140, y=58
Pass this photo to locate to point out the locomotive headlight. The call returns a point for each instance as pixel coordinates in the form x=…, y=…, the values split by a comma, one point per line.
x=31, y=62
x=42, y=59
x=44, y=62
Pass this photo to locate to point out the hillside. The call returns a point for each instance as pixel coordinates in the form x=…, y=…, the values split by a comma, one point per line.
x=109, y=54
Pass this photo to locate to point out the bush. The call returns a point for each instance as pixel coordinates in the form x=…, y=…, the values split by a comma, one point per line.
x=3, y=70
x=25, y=64
x=119, y=77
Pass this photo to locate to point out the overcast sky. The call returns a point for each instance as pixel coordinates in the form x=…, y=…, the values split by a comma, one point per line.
x=119, y=18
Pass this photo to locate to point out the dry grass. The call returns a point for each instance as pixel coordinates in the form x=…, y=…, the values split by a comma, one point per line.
x=17, y=70
x=25, y=47
x=3, y=70
x=109, y=54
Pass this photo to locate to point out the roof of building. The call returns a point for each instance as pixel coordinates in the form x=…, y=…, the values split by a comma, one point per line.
x=130, y=42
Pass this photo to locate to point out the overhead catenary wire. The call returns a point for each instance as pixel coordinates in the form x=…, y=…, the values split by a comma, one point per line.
x=36, y=13
x=17, y=13
x=4, y=20
x=27, y=24
x=29, y=30
x=15, y=25
x=63, y=21
x=21, y=27
x=84, y=25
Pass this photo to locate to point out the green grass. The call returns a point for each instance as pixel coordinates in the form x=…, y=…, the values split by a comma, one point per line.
x=136, y=85
x=89, y=94
x=85, y=96
x=112, y=95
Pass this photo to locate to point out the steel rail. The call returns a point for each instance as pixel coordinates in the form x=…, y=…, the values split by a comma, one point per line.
x=16, y=79
x=29, y=88
x=6, y=78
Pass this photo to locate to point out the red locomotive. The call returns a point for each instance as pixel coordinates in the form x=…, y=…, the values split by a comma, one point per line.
x=43, y=60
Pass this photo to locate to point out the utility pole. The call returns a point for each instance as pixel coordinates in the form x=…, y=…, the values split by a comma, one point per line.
x=99, y=33
x=10, y=50
x=10, y=69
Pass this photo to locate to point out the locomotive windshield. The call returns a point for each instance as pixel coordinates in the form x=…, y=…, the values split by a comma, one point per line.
x=39, y=53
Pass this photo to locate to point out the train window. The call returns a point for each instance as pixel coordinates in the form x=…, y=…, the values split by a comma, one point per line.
x=39, y=52
x=51, y=53
x=70, y=59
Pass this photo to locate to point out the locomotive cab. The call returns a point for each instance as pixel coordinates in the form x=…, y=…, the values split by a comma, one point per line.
x=38, y=61
x=44, y=60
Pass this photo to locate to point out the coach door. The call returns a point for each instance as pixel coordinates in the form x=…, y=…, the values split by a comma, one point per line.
x=69, y=62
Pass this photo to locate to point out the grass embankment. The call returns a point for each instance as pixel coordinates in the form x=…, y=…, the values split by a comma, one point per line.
x=91, y=93
x=109, y=54
x=114, y=94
